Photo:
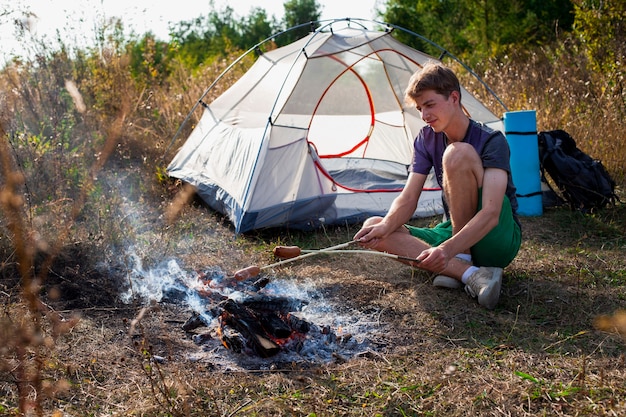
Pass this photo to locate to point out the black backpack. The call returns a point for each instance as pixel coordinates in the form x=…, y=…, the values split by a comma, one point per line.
x=583, y=181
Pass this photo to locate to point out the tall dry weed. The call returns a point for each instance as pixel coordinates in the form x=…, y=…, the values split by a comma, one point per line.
x=28, y=328
x=558, y=82
x=181, y=93
x=53, y=148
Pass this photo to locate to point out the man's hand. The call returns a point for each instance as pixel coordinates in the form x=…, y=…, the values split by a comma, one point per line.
x=369, y=236
x=434, y=259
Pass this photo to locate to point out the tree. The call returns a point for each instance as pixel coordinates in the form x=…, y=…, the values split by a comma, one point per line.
x=256, y=27
x=600, y=26
x=299, y=12
x=222, y=32
x=483, y=27
x=206, y=36
x=219, y=33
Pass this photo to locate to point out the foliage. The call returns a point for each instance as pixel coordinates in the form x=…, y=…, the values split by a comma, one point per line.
x=150, y=59
x=257, y=28
x=222, y=31
x=216, y=34
x=205, y=37
x=600, y=26
x=298, y=12
x=480, y=28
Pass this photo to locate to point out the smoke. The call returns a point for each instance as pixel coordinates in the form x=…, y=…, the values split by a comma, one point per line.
x=165, y=282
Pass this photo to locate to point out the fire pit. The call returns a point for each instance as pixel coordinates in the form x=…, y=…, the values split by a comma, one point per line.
x=280, y=321
x=258, y=324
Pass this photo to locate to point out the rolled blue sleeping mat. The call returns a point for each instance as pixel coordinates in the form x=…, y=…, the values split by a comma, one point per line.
x=520, y=129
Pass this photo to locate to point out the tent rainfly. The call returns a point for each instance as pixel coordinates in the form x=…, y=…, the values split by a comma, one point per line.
x=314, y=133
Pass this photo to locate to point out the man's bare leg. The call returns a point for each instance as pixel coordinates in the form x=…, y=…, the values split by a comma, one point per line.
x=402, y=243
x=463, y=175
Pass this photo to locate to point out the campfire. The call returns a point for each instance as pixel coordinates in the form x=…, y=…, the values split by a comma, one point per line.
x=284, y=320
x=259, y=324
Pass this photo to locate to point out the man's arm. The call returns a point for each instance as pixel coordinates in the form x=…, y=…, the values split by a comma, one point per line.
x=399, y=213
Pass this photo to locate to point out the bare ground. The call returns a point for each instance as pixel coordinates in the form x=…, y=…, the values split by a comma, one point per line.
x=437, y=352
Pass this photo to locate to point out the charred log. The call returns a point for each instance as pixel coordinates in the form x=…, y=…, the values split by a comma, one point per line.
x=297, y=324
x=244, y=321
x=232, y=339
x=281, y=305
x=261, y=283
x=259, y=323
x=195, y=321
x=275, y=326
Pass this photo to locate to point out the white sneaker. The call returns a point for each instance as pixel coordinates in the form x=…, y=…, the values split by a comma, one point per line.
x=485, y=285
x=444, y=281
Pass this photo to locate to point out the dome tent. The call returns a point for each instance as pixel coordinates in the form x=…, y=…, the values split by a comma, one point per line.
x=315, y=132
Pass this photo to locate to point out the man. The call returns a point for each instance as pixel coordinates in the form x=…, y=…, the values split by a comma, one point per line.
x=482, y=234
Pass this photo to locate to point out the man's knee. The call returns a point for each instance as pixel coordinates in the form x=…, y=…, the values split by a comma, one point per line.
x=372, y=221
x=459, y=154
x=462, y=165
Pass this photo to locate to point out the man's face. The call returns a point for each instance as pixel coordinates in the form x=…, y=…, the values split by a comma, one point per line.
x=436, y=109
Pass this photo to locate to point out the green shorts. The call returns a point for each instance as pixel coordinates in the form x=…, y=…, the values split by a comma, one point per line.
x=498, y=248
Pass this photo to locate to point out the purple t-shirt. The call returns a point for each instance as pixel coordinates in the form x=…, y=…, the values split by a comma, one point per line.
x=491, y=146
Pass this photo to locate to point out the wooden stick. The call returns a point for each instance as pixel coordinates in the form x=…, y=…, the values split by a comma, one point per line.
x=253, y=271
x=368, y=252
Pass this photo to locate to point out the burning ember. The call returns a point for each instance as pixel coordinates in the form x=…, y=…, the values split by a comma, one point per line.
x=278, y=319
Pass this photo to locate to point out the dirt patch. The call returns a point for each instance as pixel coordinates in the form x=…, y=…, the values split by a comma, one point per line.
x=73, y=282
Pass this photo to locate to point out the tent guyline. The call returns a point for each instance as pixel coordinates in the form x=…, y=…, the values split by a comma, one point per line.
x=315, y=132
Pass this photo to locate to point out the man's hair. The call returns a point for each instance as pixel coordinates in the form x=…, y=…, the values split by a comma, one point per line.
x=432, y=76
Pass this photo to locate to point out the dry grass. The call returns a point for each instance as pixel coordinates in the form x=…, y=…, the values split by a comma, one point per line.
x=90, y=193
x=536, y=354
x=556, y=82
